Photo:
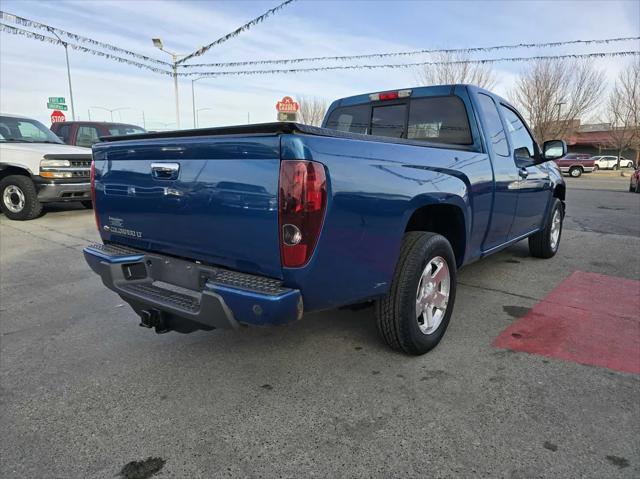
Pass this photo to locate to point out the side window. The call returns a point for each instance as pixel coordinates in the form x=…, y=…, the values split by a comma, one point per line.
x=87, y=136
x=494, y=125
x=63, y=132
x=439, y=119
x=352, y=119
x=389, y=121
x=523, y=144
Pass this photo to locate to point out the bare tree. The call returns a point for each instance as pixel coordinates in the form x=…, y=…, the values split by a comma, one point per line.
x=623, y=111
x=312, y=110
x=452, y=68
x=555, y=94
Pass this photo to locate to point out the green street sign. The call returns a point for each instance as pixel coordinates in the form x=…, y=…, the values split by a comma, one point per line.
x=56, y=99
x=57, y=106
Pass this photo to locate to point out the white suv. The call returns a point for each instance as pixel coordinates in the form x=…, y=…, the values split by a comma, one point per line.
x=611, y=162
x=36, y=167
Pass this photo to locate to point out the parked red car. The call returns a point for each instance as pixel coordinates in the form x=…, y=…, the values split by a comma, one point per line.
x=575, y=164
x=634, y=184
x=86, y=133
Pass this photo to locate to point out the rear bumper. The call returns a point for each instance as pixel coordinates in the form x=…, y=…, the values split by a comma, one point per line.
x=64, y=192
x=186, y=296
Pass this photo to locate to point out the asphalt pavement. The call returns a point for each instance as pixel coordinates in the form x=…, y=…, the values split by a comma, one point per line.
x=86, y=392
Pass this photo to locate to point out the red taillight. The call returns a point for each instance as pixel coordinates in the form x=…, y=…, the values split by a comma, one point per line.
x=389, y=95
x=302, y=198
x=93, y=193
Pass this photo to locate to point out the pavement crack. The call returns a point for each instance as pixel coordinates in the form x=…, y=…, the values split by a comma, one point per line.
x=495, y=290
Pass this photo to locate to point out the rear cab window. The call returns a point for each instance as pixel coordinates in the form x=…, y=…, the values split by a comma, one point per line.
x=437, y=119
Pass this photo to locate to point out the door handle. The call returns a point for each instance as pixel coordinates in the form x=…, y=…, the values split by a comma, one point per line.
x=165, y=171
x=523, y=173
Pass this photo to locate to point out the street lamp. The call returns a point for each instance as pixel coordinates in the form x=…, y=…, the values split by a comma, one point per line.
x=110, y=110
x=193, y=99
x=198, y=115
x=66, y=54
x=174, y=60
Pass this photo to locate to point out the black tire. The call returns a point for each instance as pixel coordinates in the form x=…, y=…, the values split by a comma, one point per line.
x=396, y=312
x=88, y=204
x=575, y=172
x=629, y=165
x=540, y=243
x=595, y=168
x=615, y=167
x=24, y=193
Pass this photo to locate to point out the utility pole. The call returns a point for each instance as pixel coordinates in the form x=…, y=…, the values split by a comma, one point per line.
x=66, y=54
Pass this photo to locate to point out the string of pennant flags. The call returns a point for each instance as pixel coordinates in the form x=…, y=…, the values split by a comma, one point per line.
x=463, y=51
x=413, y=65
x=154, y=65
x=236, y=32
x=25, y=22
x=44, y=38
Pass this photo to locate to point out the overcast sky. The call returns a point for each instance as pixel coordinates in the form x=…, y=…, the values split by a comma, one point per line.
x=31, y=71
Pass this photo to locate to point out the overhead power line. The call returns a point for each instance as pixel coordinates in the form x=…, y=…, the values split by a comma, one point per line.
x=412, y=52
x=411, y=65
x=237, y=31
x=25, y=22
x=44, y=38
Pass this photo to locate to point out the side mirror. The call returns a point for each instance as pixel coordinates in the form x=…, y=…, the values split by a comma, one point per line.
x=554, y=149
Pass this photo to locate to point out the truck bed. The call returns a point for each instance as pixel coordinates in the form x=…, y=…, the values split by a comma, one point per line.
x=282, y=128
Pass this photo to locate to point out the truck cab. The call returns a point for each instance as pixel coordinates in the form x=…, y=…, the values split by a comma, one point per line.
x=36, y=167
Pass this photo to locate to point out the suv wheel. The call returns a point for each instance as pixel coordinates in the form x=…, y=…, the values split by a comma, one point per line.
x=615, y=167
x=545, y=243
x=19, y=199
x=596, y=168
x=575, y=171
x=414, y=315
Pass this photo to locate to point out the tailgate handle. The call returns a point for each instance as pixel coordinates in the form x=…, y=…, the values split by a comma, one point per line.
x=165, y=171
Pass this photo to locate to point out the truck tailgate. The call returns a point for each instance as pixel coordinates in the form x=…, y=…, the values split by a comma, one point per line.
x=212, y=199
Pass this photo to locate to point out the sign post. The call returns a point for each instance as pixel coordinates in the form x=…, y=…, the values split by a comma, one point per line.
x=287, y=109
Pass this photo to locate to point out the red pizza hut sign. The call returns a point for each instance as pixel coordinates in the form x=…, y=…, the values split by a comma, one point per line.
x=287, y=105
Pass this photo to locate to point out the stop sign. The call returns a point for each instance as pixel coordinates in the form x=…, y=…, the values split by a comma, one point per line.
x=57, y=116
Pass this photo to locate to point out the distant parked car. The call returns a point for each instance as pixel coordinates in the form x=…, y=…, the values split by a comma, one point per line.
x=86, y=133
x=634, y=185
x=610, y=162
x=574, y=164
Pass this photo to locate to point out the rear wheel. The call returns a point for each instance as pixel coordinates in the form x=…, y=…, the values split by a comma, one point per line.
x=575, y=171
x=414, y=315
x=630, y=164
x=88, y=204
x=19, y=199
x=545, y=243
x=596, y=168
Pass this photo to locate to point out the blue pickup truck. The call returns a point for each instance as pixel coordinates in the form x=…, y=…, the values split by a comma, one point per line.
x=258, y=224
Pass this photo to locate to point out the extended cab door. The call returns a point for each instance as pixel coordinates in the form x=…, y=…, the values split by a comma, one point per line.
x=505, y=175
x=534, y=185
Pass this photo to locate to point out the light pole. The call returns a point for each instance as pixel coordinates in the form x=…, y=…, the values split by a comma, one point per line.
x=111, y=110
x=193, y=99
x=174, y=60
x=198, y=113
x=66, y=54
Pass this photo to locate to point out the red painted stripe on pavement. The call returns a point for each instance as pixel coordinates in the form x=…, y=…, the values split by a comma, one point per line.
x=589, y=318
